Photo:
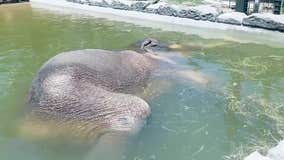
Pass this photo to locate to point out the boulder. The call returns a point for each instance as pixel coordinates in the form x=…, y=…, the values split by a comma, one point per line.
x=99, y=3
x=167, y=10
x=277, y=153
x=202, y=12
x=189, y=12
x=182, y=11
x=205, y=12
x=153, y=8
x=78, y=1
x=75, y=1
x=232, y=18
x=121, y=4
x=266, y=21
x=139, y=6
x=256, y=156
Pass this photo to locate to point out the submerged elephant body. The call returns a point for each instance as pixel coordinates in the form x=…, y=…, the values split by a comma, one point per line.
x=87, y=91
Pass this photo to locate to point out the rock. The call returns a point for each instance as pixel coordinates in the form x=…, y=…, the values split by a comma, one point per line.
x=78, y=1
x=121, y=4
x=75, y=1
x=277, y=153
x=232, y=18
x=202, y=12
x=182, y=12
x=187, y=12
x=139, y=6
x=206, y=12
x=194, y=14
x=153, y=8
x=168, y=10
x=267, y=21
x=99, y=3
x=256, y=156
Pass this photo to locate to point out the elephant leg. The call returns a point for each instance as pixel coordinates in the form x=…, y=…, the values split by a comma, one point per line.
x=191, y=75
x=155, y=88
x=110, y=146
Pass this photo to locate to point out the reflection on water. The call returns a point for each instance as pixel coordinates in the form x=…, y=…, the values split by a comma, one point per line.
x=242, y=104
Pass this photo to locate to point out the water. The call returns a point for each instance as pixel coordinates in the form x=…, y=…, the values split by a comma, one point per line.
x=240, y=108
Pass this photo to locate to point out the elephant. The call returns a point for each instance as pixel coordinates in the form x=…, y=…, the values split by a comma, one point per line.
x=91, y=89
x=91, y=93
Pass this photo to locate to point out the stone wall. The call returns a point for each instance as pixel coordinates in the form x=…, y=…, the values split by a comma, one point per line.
x=202, y=12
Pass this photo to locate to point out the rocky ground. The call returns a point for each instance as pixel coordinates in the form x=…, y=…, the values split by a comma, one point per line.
x=214, y=12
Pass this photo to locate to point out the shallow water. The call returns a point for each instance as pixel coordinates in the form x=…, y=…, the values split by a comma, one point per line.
x=240, y=107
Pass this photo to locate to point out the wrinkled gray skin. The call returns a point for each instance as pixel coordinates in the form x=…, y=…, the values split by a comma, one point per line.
x=90, y=89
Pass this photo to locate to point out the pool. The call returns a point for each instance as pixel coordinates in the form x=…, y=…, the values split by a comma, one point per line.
x=238, y=111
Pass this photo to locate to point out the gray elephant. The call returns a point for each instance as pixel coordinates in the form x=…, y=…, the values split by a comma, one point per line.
x=90, y=90
x=91, y=93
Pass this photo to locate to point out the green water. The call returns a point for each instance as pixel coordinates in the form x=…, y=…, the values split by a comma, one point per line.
x=240, y=108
